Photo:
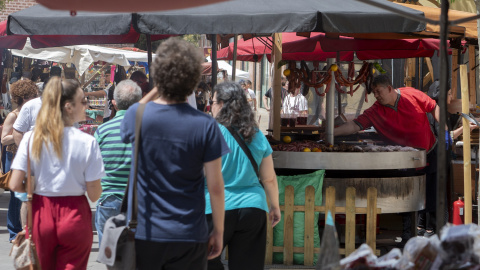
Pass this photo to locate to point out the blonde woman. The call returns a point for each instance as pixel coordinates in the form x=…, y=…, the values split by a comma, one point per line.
x=66, y=163
x=21, y=92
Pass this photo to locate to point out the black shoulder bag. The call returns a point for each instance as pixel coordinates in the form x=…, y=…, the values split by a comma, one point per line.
x=246, y=150
x=117, y=249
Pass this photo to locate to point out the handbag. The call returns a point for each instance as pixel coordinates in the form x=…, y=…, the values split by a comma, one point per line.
x=117, y=249
x=247, y=151
x=5, y=177
x=23, y=250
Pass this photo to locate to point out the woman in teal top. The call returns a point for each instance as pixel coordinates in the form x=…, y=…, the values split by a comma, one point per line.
x=245, y=198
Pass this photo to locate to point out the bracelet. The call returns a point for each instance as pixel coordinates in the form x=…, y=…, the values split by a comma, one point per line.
x=451, y=135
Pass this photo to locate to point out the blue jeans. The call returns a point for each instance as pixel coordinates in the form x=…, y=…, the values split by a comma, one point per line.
x=14, y=225
x=109, y=207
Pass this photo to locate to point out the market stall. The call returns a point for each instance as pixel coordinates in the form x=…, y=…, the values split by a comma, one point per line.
x=82, y=56
x=399, y=188
x=302, y=16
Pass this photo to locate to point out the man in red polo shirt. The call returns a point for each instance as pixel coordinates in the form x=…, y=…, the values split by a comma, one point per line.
x=399, y=115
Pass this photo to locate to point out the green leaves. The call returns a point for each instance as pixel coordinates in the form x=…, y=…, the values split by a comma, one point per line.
x=378, y=67
x=282, y=63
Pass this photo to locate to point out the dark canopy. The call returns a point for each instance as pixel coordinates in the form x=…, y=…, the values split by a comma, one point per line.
x=39, y=20
x=123, y=5
x=51, y=28
x=273, y=16
x=231, y=17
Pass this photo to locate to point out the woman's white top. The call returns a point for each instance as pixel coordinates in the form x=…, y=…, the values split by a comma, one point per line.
x=82, y=162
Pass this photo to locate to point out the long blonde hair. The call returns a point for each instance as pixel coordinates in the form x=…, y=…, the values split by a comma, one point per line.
x=49, y=124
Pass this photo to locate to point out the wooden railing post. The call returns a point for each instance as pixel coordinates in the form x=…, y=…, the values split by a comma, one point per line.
x=350, y=221
x=371, y=217
x=309, y=225
x=309, y=209
x=330, y=201
x=288, y=226
x=269, y=243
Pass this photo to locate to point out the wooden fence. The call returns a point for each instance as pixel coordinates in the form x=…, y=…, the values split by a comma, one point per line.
x=309, y=208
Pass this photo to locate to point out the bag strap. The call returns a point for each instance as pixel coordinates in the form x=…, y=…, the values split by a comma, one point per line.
x=138, y=125
x=29, y=191
x=3, y=152
x=246, y=150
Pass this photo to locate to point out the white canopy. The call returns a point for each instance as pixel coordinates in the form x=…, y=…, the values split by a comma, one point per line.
x=239, y=74
x=82, y=56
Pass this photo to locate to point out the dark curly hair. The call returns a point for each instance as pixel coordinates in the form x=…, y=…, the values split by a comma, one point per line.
x=236, y=111
x=23, y=90
x=176, y=69
x=382, y=79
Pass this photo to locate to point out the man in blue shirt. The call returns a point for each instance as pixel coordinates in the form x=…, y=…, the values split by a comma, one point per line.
x=179, y=146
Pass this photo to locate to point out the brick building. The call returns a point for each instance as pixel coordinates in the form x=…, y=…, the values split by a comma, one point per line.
x=14, y=6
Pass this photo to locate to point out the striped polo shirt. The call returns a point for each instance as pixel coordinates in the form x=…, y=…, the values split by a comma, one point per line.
x=117, y=157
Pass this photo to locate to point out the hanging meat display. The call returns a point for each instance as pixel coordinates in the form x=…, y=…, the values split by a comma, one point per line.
x=317, y=78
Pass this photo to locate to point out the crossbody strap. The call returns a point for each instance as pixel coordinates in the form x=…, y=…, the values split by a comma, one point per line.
x=246, y=150
x=138, y=126
x=29, y=190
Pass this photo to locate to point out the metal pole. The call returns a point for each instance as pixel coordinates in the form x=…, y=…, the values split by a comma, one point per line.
x=442, y=153
x=149, y=52
x=421, y=74
x=234, y=64
x=417, y=72
x=477, y=85
x=214, y=60
x=330, y=105
x=276, y=86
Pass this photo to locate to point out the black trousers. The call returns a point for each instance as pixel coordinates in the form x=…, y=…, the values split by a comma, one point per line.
x=245, y=234
x=170, y=256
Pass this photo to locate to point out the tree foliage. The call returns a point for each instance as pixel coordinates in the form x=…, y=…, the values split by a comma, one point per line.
x=142, y=41
x=194, y=39
x=3, y=4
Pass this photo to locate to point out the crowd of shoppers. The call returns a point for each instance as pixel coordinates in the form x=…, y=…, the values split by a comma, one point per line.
x=188, y=161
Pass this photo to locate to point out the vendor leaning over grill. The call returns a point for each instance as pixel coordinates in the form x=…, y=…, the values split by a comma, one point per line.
x=400, y=116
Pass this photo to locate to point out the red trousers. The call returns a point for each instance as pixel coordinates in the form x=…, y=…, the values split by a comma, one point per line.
x=62, y=231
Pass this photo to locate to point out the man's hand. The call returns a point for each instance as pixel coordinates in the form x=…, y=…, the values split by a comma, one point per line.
x=215, y=244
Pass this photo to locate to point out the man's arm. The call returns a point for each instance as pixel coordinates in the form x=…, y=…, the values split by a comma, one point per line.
x=346, y=129
x=436, y=113
x=150, y=96
x=213, y=172
x=265, y=101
